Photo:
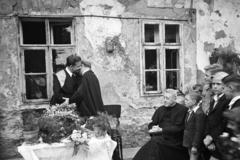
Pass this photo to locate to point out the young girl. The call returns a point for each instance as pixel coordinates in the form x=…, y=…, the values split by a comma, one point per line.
x=194, y=125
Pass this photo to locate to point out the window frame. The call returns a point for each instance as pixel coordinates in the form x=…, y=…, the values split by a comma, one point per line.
x=161, y=52
x=48, y=47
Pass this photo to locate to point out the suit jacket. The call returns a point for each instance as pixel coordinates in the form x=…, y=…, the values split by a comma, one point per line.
x=64, y=86
x=236, y=104
x=88, y=97
x=194, y=129
x=173, y=132
x=216, y=122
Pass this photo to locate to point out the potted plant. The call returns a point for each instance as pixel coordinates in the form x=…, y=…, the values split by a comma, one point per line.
x=30, y=126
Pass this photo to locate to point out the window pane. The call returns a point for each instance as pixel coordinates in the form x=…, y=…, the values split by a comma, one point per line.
x=34, y=61
x=151, y=81
x=172, y=58
x=34, y=32
x=172, y=33
x=61, y=33
x=36, y=87
x=151, y=59
x=59, y=57
x=172, y=79
x=151, y=33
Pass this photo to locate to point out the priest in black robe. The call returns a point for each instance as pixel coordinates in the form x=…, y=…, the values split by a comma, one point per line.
x=88, y=97
x=166, y=130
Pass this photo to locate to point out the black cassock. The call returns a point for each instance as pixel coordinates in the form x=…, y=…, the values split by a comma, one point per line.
x=168, y=145
x=88, y=96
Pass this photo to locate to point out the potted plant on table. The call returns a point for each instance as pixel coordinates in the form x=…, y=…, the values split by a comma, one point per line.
x=30, y=126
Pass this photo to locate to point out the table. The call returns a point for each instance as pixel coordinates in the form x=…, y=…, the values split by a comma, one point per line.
x=99, y=149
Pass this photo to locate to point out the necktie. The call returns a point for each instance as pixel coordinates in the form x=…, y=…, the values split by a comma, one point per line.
x=188, y=116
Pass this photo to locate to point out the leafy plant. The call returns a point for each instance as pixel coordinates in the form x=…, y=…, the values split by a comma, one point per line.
x=30, y=120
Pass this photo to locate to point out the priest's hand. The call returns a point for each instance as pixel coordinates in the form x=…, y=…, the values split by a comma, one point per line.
x=207, y=140
x=66, y=101
x=155, y=129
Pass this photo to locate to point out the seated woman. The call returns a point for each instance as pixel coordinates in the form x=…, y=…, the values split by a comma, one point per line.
x=167, y=129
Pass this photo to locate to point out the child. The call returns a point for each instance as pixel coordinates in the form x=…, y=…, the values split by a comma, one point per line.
x=194, y=125
x=216, y=123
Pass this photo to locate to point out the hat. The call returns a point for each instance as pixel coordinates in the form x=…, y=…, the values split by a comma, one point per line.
x=219, y=76
x=86, y=63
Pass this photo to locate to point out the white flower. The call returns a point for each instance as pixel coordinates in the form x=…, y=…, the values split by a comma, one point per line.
x=84, y=135
x=224, y=134
x=74, y=131
x=234, y=139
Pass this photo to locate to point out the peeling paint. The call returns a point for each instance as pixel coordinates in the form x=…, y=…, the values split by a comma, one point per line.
x=208, y=47
x=220, y=34
x=201, y=12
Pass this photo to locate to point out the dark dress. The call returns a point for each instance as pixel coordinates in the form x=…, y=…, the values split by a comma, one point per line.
x=64, y=86
x=88, y=97
x=168, y=145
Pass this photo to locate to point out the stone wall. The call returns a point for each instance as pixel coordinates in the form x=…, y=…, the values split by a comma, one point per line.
x=118, y=72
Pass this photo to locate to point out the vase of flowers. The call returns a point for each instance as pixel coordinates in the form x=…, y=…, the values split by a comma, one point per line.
x=30, y=126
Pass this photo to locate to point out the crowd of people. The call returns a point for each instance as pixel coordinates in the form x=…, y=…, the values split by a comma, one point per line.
x=205, y=125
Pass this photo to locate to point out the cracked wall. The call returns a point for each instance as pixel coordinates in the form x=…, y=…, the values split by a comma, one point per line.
x=118, y=71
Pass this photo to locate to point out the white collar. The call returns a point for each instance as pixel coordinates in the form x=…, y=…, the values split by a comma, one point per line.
x=195, y=109
x=216, y=97
x=69, y=72
x=85, y=71
x=233, y=101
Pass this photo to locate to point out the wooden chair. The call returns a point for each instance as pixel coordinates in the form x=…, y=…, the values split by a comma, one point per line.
x=115, y=110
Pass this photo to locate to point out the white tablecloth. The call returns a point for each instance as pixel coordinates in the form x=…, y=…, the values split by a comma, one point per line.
x=99, y=149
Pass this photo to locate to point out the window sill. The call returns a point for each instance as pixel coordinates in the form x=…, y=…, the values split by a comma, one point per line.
x=26, y=106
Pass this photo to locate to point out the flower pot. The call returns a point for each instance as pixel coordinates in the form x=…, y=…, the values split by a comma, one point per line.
x=30, y=137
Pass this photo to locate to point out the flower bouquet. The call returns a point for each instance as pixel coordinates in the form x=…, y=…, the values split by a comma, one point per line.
x=58, y=122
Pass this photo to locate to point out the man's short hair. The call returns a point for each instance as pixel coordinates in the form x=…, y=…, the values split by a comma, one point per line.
x=173, y=92
x=72, y=60
x=233, y=80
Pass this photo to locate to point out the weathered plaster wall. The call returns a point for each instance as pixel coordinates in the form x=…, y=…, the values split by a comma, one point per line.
x=217, y=23
x=10, y=116
x=118, y=72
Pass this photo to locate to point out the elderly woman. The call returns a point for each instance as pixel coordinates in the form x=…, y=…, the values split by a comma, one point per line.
x=166, y=129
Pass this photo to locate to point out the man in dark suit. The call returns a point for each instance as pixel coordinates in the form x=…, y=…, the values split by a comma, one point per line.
x=232, y=90
x=216, y=123
x=88, y=97
x=194, y=125
x=167, y=128
x=65, y=81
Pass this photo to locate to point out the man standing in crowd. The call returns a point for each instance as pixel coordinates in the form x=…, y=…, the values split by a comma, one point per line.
x=88, y=97
x=65, y=81
x=216, y=123
x=232, y=90
x=167, y=129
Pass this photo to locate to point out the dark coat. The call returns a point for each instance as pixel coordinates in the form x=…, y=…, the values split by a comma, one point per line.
x=167, y=146
x=216, y=123
x=70, y=85
x=88, y=97
x=236, y=104
x=174, y=132
x=194, y=129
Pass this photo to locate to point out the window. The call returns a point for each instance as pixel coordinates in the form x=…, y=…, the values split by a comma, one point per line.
x=45, y=44
x=160, y=60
